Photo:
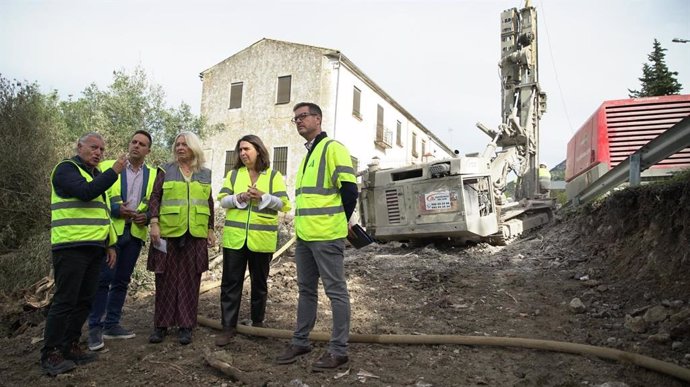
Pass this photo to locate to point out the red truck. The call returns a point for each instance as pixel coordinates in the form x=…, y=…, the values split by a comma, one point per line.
x=616, y=130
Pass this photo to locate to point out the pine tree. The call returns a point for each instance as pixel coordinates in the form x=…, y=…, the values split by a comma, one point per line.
x=656, y=78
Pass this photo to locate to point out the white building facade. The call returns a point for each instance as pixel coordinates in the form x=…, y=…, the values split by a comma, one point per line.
x=254, y=91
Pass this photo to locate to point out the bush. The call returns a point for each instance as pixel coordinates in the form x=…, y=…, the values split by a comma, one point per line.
x=21, y=268
x=29, y=123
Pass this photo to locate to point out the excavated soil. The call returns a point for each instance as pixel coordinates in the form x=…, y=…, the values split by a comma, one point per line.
x=625, y=259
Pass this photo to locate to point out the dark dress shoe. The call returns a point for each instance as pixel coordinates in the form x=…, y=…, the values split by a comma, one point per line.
x=292, y=353
x=225, y=337
x=53, y=363
x=329, y=361
x=78, y=355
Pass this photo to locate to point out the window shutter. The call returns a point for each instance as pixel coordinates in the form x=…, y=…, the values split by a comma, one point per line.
x=236, y=95
x=284, y=86
x=379, y=123
x=356, y=99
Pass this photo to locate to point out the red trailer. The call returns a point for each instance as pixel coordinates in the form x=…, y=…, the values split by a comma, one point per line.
x=616, y=130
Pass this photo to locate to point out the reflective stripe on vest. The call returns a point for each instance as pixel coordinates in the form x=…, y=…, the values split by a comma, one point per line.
x=73, y=220
x=319, y=213
x=259, y=228
x=115, y=194
x=184, y=205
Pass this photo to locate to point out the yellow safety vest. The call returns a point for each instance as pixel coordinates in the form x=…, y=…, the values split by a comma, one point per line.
x=115, y=194
x=259, y=228
x=544, y=174
x=185, y=204
x=73, y=220
x=319, y=212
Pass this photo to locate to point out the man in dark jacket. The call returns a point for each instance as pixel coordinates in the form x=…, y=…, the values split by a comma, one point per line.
x=81, y=236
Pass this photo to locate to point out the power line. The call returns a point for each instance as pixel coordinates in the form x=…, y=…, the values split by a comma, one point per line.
x=553, y=64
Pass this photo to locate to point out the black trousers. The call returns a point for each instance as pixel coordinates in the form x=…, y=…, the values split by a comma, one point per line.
x=76, y=280
x=234, y=266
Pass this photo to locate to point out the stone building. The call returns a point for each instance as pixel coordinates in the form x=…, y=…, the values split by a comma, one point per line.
x=254, y=91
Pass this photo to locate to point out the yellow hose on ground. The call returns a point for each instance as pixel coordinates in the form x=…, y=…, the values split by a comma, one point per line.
x=548, y=345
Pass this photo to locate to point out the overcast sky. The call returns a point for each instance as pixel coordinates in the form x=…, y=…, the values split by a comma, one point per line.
x=438, y=59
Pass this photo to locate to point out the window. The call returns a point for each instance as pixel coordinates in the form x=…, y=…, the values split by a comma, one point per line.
x=280, y=159
x=379, y=123
x=236, y=95
x=355, y=164
x=384, y=137
x=414, y=144
x=284, y=85
x=423, y=148
x=398, y=134
x=229, y=160
x=356, y=98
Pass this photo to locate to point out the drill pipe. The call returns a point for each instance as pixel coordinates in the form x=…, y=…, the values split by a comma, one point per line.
x=548, y=345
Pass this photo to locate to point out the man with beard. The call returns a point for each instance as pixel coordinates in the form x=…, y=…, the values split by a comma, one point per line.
x=129, y=199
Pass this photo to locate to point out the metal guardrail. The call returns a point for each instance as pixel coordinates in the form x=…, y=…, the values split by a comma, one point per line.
x=666, y=144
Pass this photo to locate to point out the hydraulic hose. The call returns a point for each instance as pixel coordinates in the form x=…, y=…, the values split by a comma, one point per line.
x=548, y=345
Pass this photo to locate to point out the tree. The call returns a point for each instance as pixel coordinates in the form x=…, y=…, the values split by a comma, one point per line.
x=37, y=130
x=30, y=123
x=130, y=103
x=656, y=78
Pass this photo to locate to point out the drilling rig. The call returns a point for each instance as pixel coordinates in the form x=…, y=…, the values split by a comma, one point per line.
x=463, y=198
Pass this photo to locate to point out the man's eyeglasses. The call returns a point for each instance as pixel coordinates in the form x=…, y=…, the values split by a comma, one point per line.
x=301, y=117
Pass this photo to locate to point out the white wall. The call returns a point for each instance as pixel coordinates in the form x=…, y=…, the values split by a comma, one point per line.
x=316, y=78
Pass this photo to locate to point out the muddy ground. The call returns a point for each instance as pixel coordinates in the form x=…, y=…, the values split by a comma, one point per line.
x=625, y=260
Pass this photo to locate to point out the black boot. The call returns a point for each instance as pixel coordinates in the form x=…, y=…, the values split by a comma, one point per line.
x=185, y=335
x=158, y=335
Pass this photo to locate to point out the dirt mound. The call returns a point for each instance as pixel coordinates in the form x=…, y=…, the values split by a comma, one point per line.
x=611, y=274
x=638, y=237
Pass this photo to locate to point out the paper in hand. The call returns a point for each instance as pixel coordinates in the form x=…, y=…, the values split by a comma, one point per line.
x=161, y=246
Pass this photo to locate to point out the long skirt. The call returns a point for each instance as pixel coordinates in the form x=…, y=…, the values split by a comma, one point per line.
x=178, y=281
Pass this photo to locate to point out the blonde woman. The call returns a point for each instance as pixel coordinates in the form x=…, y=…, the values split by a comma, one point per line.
x=181, y=231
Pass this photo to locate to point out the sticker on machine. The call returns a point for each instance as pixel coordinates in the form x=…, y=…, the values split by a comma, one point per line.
x=438, y=201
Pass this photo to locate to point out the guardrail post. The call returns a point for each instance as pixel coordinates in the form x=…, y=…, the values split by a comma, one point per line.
x=634, y=175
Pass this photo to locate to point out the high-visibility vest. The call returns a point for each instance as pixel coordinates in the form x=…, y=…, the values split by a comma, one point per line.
x=115, y=195
x=544, y=179
x=259, y=228
x=185, y=204
x=544, y=174
x=319, y=212
x=73, y=220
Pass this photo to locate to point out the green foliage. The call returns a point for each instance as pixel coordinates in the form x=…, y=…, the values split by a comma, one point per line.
x=37, y=130
x=557, y=174
x=29, y=127
x=679, y=177
x=130, y=103
x=656, y=77
x=560, y=196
